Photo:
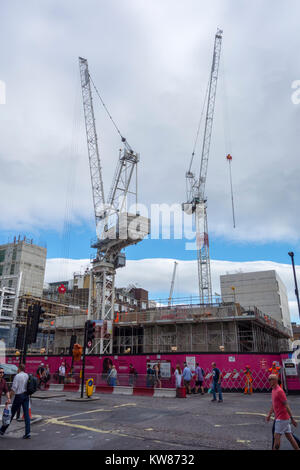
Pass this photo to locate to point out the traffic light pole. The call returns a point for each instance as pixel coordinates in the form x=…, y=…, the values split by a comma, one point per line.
x=83, y=359
x=291, y=254
x=25, y=342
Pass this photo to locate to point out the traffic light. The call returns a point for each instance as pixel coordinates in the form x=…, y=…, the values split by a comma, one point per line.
x=34, y=317
x=72, y=342
x=90, y=332
x=20, y=341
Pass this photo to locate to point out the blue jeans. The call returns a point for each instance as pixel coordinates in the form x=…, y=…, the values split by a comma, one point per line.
x=21, y=399
x=216, y=388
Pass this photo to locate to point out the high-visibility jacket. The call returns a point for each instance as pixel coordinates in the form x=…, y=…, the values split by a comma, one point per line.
x=248, y=381
x=274, y=370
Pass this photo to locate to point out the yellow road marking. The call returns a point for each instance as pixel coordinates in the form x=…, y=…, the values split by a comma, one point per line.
x=87, y=428
x=95, y=411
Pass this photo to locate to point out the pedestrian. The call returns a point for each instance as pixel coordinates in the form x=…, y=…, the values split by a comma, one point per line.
x=21, y=398
x=112, y=377
x=39, y=373
x=109, y=368
x=216, y=383
x=199, y=379
x=46, y=376
x=187, y=377
x=132, y=375
x=178, y=376
x=158, y=376
x=155, y=375
x=3, y=386
x=283, y=414
x=150, y=376
x=61, y=373
x=248, y=381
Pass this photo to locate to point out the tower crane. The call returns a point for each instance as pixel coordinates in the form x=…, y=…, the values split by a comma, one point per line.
x=172, y=283
x=196, y=199
x=115, y=227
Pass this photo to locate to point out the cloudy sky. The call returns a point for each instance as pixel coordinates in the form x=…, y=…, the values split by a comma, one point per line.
x=151, y=62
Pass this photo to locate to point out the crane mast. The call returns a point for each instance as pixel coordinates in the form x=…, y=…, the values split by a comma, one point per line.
x=196, y=200
x=116, y=228
x=92, y=141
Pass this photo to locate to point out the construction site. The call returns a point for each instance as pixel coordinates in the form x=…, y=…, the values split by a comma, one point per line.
x=127, y=321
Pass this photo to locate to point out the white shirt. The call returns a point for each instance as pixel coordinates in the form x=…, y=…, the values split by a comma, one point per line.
x=62, y=370
x=20, y=383
x=178, y=377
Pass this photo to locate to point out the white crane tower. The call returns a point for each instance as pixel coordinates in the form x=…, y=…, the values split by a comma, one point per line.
x=196, y=199
x=172, y=284
x=115, y=227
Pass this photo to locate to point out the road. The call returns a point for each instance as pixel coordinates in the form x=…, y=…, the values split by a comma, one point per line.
x=146, y=423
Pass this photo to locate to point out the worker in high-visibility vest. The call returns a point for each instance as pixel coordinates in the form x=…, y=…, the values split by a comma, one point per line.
x=276, y=370
x=248, y=381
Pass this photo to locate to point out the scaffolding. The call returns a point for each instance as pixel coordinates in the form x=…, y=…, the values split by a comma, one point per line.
x=204, y=328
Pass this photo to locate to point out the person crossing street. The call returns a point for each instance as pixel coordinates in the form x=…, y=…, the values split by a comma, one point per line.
x=21, y=398
x=283, y=415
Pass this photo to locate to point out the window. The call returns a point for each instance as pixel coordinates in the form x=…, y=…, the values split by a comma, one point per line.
x=12, y=269
x=1, y=269
x=14, y=254
x=2, y=256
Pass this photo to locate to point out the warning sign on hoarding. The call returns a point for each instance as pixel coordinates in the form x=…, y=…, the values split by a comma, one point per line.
x=165, y=368
x=191, y=362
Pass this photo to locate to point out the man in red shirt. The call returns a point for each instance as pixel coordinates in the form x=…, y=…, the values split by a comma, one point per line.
x=283, y=414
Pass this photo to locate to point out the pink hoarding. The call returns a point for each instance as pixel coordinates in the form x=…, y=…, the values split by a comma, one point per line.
x=232, y=366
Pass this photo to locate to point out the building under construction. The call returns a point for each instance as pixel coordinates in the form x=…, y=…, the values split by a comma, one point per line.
x=178, y=328
x=221, y=327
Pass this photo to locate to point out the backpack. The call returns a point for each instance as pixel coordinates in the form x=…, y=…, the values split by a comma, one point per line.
x=31, y=385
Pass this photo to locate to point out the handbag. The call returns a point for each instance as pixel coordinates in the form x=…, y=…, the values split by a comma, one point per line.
x=6, y=417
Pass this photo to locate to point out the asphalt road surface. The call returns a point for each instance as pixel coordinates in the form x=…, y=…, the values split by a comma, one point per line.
x=146, y=423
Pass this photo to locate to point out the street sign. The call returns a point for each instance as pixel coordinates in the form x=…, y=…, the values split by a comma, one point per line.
x=62, y=289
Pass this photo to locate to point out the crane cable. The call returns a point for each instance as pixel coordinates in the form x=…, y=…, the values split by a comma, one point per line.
x=227, y=137
x=123, y=139
x=199, y=125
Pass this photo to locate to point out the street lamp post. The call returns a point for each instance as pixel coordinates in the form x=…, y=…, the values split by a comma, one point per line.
x=291, y=254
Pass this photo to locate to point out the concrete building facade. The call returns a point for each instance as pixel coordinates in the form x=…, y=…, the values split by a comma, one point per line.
x=264, y=290
x=22, y=271
x=22, y=260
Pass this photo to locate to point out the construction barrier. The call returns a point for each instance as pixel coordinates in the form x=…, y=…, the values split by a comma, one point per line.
x=233, y=380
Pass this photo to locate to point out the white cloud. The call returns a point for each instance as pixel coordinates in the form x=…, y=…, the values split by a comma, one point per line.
x=155, y=275
x=151, y=61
